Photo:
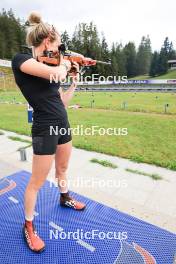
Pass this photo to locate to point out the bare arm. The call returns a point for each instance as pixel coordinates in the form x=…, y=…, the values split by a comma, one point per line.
x=39, y=69
x=67, y=96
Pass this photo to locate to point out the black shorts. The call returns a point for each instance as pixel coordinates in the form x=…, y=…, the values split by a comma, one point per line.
x=45, y=141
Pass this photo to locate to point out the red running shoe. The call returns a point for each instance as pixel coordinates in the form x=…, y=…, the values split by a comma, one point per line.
x=34, y=242
x=67, y=201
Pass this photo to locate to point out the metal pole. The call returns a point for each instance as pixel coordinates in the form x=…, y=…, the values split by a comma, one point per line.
x=23, y=155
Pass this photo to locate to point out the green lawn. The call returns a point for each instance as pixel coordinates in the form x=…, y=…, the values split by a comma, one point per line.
x=151, y=131
x=135, y=102
x=170, y=75
x=11, y=97
x=151, y=137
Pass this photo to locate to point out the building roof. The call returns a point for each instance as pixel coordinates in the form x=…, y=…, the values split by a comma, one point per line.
x=171, y=61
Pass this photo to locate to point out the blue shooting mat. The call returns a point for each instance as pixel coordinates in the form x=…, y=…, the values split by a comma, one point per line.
x=133, y=241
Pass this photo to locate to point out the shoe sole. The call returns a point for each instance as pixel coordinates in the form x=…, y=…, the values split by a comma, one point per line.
x=63, y=205
x=36, y=251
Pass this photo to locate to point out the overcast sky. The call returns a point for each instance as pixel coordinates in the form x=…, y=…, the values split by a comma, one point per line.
x=120, y=20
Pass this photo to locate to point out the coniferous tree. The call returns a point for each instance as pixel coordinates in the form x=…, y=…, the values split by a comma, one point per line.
x=66, y=39
x=154, y=67
x=105, y=56
x=165, y=55
x=12, y=34
x=130, y=53
x=144, y=55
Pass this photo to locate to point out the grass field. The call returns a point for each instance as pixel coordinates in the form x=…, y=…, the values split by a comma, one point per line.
x=151, y=126
x=150, y=139
x=170, y=75
x=134, y=102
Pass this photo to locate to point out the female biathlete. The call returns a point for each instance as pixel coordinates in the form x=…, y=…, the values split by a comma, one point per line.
x=49, y=103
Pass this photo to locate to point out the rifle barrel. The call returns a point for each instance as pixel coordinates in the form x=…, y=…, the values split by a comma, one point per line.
x=103, y=62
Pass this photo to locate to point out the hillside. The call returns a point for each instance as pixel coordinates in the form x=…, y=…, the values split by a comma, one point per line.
x=5, y=70
x=9, y=83
x=169, y=75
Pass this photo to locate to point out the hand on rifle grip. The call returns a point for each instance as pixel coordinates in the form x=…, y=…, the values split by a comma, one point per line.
x=74, y=72
x=67, y=63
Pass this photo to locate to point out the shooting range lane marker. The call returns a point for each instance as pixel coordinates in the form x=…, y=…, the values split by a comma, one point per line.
x=120, y=252
x=11, y=185
x=11, y=198
x=86, y=245
x=79, y=241
x=52, y=224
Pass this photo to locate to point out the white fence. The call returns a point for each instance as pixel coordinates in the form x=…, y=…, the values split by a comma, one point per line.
x=5, y=63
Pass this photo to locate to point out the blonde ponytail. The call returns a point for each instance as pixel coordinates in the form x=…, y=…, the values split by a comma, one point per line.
x=37, y=30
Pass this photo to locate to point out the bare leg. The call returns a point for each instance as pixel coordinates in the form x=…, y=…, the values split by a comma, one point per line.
x=62, y=158
x=40, y=168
